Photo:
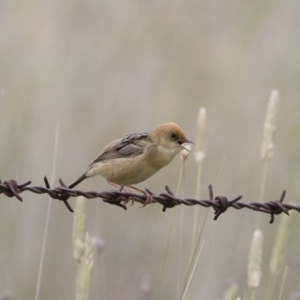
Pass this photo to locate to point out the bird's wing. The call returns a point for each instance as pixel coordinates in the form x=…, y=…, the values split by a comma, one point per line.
x=129, y=145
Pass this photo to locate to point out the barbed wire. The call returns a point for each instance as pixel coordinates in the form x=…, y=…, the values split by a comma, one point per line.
x=121, y=197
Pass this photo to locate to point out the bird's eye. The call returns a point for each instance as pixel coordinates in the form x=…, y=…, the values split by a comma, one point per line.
x=174, y=136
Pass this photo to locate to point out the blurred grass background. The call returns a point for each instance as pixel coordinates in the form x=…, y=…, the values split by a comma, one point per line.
x=111, y=68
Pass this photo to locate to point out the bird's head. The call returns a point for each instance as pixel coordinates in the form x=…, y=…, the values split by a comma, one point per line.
x=170, y=137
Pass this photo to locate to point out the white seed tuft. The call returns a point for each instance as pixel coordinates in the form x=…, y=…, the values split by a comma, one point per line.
x=267, y=146
x=255, y=259
x=200, y=143
x=185, y=152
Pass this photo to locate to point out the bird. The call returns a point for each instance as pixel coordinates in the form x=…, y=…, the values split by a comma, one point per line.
x=136, y=157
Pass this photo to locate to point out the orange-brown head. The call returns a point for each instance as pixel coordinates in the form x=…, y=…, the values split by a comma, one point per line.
x=169, y=136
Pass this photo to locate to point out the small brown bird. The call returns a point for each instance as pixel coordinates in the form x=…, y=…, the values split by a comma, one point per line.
x=136, y=157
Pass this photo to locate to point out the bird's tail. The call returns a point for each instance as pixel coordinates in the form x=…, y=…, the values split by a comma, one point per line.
x=81, y=178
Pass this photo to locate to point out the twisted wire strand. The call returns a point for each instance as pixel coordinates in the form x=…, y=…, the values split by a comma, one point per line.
x=121, y=197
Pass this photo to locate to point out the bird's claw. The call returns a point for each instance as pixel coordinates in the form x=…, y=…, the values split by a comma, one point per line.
x=149, y=199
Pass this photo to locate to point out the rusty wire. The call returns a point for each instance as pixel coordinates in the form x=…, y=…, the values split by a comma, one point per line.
x=120, y=197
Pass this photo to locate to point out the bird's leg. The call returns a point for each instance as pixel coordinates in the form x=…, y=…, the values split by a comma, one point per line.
x=149, y=198
x=113, y=184
x=131, y=198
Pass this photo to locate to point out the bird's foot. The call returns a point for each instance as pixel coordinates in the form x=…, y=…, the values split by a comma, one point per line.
x=128, y=191
x=149, y=198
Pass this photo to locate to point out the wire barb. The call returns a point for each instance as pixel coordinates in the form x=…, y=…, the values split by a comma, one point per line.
x=120, y=197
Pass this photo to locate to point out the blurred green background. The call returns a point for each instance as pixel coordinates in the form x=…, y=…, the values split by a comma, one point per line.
x=109, y=68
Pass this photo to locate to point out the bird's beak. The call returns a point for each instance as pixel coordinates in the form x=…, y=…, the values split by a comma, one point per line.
x=185, y=141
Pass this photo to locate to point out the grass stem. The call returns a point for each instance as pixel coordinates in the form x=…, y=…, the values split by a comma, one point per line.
x=48, y=213
x=283, y=282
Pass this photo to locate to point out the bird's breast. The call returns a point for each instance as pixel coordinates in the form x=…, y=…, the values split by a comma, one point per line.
x=162, y=156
